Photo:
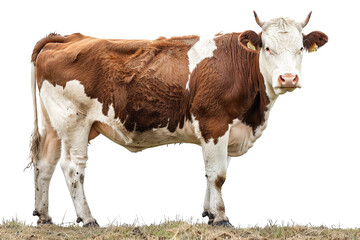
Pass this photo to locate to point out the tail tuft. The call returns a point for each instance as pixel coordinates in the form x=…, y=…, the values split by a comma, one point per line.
x=35, y=136
x=34, y=145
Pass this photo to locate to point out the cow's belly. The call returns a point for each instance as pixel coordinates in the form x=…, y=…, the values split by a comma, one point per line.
x=137, y=141
x=241, y=138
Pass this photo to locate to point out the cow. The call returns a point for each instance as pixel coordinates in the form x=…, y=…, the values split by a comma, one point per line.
x=215, y=92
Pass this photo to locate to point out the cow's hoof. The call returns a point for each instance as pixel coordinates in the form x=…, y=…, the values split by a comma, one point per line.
x=44, y=222
x=79, y=220
x=224, y=224
x=210, y=215
x=206, y=213
x=36, y=213
x=91, y=224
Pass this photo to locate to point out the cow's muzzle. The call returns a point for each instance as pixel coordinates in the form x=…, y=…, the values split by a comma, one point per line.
x=288, y=80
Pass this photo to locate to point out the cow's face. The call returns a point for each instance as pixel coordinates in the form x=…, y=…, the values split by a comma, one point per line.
x=281, y=45
x=281, y=55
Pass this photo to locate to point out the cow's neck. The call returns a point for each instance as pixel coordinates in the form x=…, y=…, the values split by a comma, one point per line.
x=250, y=86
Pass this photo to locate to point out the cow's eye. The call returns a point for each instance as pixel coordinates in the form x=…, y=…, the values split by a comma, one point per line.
x=268, y=50
x=302, y=48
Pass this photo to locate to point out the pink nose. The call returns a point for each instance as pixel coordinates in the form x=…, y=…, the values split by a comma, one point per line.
x=288, y=80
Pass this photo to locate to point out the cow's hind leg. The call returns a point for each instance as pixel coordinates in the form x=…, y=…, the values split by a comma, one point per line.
x=73, y=163
x=216, y=163
x=44, y=166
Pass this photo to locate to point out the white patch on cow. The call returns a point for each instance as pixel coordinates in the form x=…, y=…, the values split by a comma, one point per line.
x=202, y=49
x=187, y=83
x=240, y=138
x=213, y=152
x=284, y=38
x=64, y=104
x=196, y=127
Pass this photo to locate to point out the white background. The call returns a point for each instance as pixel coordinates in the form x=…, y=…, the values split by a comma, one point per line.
x=304, y=169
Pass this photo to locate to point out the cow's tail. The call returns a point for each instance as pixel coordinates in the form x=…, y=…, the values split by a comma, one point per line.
x=35, y=136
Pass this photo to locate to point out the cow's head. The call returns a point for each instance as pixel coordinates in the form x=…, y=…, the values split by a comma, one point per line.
x=281, y=45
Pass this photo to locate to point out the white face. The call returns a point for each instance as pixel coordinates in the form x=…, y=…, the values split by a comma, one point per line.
x=281, y=55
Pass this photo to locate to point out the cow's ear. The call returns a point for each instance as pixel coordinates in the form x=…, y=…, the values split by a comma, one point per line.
x=250, y=40
x=314, y=40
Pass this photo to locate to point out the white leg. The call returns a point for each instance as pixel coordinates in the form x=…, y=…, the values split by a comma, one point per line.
x=206, y=212
x=216, y=163
x=44, y=167
x=73, y=163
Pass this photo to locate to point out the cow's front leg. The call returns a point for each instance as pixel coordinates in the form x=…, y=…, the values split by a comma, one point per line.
x=207, y=212
x=216, y=163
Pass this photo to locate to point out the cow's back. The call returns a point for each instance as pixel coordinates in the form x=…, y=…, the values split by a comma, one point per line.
x=81, y=57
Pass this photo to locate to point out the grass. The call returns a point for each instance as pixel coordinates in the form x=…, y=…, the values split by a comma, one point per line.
x=15, y=229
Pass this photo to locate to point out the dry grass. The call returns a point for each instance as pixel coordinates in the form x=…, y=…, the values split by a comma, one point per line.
x=172, y=230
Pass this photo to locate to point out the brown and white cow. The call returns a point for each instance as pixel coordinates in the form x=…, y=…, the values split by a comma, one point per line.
x=215, y=92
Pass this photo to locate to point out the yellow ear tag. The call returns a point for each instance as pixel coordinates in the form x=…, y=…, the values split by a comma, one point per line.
x=313, y=48
x=251, y=46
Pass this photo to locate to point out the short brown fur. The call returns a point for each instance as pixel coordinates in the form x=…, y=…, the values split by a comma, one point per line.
x=219, y=182
x=315, y=37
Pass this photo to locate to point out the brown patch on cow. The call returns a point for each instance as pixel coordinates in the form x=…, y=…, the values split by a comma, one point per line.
x=81, y=178
x=71, y=173
x=317, y=37
x=36, y=174
x=219, y=182
x=221, y=208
